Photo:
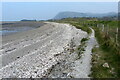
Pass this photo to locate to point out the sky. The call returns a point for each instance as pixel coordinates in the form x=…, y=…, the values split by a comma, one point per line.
x=15, y=11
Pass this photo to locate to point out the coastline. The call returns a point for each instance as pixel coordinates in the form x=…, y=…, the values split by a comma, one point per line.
x=35, y=52
x=9, y=28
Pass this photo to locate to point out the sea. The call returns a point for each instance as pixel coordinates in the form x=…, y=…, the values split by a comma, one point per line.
x=14, y=30
x=8, y=28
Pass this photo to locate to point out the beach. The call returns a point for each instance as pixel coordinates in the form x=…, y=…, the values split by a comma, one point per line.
x=36, y=52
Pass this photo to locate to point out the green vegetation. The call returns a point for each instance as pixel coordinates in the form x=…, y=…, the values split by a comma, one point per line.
x=81, y=47
x=108, y=53
x=84, y=28
x=77, y=22
x=99, y=58
x=83, y=40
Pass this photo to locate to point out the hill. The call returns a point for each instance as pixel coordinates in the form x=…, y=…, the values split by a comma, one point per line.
x=68, y=14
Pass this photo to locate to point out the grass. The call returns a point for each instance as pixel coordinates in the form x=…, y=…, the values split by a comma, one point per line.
x=109, y=48
x=107, y=52
x=84, y=28
x=99, y=57
x=81, y=47
x=84, y=39
x=77, y=22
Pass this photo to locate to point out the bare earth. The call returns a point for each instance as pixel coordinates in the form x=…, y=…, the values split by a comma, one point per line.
x=46, y=52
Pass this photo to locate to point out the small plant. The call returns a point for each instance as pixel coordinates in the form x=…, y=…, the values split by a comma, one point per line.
x=94, y=50
x=84, y=39
x=81, y=48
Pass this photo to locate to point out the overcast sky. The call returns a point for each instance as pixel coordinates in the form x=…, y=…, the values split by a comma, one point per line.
x=15, y=11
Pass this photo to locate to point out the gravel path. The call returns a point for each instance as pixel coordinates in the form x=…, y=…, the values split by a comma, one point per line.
x=83, y=66
x=73, y=67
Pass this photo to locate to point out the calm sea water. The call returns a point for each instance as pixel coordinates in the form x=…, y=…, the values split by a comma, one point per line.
x=18, y=26
x=14, y=30
x=6, y=32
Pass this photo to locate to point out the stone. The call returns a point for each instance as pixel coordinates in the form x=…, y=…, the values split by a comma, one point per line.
x=106, y=65
x=45, y=53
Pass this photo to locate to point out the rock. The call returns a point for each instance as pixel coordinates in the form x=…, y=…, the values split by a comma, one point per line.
x=106, y=65
x=57, y=54
x=18, y=57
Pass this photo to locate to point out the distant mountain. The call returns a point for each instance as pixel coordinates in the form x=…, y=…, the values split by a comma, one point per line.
x=68, y=14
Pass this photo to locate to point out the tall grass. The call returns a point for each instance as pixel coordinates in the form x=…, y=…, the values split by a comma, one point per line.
x=110, y=50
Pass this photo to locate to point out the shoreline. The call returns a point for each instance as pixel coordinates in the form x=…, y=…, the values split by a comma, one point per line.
x=34, y=53
x=9, y=28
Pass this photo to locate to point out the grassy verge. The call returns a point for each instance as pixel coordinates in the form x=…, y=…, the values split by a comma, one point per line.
x=77, y=22
x=106, y=53
x=99, y=59
x=84, y=28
